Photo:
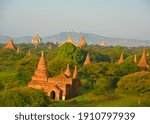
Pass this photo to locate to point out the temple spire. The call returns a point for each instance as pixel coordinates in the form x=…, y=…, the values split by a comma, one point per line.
x=41, y=73
x=87, y=60
x=135, y=59
x=70, y=40
x=10, y=44
x=121, y=59
x=75, y=74
x=42, y=63
x=143, y=62
x=68, y=72
x=18, y=49
x=82, y=42
x=36, y=40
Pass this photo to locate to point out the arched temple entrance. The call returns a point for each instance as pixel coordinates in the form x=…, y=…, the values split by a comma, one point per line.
x=53, y=95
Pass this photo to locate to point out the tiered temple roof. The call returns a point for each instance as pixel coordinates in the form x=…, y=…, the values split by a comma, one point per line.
x=61, y=79
x=10, y=45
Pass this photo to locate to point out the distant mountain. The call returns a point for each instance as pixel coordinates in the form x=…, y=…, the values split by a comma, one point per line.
x=23, y=39
x=90, y=38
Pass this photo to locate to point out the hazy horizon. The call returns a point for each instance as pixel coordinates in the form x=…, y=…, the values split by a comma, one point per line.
x=127, y=19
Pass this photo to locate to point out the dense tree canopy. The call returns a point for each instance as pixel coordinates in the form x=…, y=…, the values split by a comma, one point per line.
x=23, y=97
x=71, y=53
x=101, y=77
x=134, y=84
x=126, y=68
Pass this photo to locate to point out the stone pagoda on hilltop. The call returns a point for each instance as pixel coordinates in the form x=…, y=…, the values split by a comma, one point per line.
x=143, y=62
x=87, y=60
x=82, y=42
x=10, y=45
x=36, y=40
x=60, y=87
x=121, y=59
x=70, y=40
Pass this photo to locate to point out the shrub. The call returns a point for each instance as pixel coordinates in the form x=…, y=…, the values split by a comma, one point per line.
x=21, y=97
x=135, y=84
x=102, y=86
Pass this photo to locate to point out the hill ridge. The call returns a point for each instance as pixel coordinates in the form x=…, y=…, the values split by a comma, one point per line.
x=91, y=38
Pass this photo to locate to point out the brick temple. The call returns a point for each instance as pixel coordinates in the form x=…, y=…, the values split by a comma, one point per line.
x=143, y=65
x=60, y=87
x=121, y=59
x=10, y=45
x=87, y=60
x=70, y=40
x=36, y=40
x=82, y=42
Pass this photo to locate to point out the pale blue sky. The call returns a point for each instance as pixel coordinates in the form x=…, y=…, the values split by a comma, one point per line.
x=114, y=18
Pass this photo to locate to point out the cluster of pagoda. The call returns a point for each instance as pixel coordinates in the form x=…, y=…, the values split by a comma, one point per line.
x=65, y=85
x=81, y=43
x=10, y=45
x=142, y=64
x=61, y=87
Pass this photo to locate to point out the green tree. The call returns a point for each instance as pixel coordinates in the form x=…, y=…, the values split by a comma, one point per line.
x=27, y=64
x=126, y=68
x=71, y=53
x=102, y=86
x=57, y=65
x=118, y=49
x=21, y=97
x=134, y=84
x=1, y=86
x=103, y=75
